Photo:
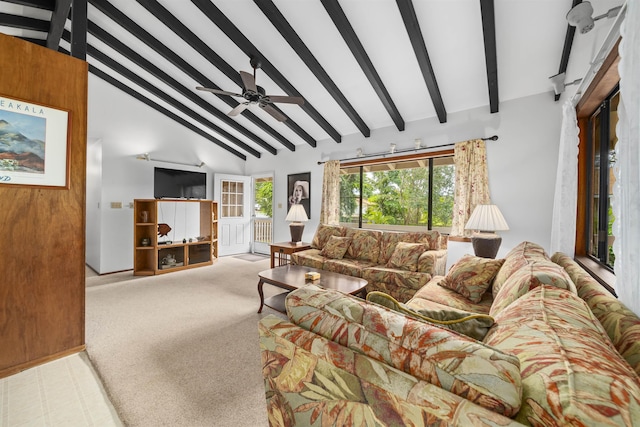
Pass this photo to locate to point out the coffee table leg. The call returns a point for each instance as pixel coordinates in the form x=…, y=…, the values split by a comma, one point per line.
x=260, y=283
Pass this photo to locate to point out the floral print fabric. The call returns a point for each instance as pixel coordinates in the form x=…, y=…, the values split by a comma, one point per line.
x=390, y=239
x=444, y=358
x=335, y=247
x=433, y=292
x=312, y=381
x=308, y=258
x=571, y=373
x=471, y=276
x=401, y=284
x=405, y=256
x=323, y=233
x=365, y=244
x=519, y=256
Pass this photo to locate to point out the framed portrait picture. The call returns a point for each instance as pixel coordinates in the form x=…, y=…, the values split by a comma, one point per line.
x=299, y=191
x=34, y=144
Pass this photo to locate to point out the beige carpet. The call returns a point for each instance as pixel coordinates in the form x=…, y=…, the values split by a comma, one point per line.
x=180, y=349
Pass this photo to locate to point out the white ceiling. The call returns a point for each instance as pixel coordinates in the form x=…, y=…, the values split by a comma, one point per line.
x=529, y=37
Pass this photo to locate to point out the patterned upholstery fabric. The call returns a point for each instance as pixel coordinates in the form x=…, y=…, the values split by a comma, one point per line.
x=390, y=239
x=519, y=256
x=621, y=324
x=401, y=284
x=312, y=381
x=528, y=278
x=434, y=292
x=308, y=258
x=571, y=373
x=439, y=356
x=365, y=244
x=323, y=233
x=350, y=267
x=335, y=247
x=471, y=276
x=433, y=262
x=405, y=256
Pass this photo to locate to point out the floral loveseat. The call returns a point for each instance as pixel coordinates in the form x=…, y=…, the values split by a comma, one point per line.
x=561, y=351
x=398, y=263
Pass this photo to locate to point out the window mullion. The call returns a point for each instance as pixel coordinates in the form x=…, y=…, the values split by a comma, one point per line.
x=603, y=232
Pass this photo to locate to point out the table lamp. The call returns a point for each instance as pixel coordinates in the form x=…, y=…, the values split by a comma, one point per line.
x=485, y=220
x=297, y=216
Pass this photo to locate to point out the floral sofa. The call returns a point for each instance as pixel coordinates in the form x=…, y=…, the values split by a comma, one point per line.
x=398, y=263
x=561, y=351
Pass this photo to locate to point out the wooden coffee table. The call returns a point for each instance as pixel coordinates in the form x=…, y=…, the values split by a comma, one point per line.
x=291, y=277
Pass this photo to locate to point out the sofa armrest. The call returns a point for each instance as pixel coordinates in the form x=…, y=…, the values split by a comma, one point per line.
x=433, y=262
x=310, y=380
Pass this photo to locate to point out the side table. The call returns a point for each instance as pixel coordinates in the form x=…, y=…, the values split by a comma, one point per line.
x=283, y=250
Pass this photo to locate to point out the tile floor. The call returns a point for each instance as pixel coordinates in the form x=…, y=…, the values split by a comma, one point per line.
x=64, y=392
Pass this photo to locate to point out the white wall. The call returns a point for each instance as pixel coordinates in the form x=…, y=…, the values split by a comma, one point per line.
x=522, y=164
x=126, y=129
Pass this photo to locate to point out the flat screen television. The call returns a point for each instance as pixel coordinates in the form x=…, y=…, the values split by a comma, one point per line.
x=178, y=184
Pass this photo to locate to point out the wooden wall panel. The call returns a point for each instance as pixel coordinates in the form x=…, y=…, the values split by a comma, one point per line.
x=42, y=250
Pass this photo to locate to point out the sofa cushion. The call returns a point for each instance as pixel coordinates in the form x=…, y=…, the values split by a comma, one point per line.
x=323, y=233
x=365, y=244
x=405, y=256
x=471, y=276
x=621, y=324
x=445, y=296
x=335, y=247
x=528, y=278
x=390, y=239
x=308, y=258
x=401, y=284
x=472, y=325
x=519, y=256
x=571, y=373
x=350, y=267
x=456, y=363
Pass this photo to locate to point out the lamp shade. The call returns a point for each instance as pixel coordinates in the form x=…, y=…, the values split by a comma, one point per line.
x=297, y=214
x=486, y=218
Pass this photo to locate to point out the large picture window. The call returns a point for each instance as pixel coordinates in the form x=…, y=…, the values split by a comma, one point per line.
x=405, y=194
x=602, y=143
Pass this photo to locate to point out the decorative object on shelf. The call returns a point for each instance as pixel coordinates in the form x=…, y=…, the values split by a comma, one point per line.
x=297, y=216
x=163, y=229
x=485, y=220
x=145, y=241
x=169, y=260
x=299, y=190
x=33, y=135
x=144, y=216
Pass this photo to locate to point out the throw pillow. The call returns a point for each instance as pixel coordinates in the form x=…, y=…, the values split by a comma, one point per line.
x=472, y=325
x=336, y=247
x=471, y=276
x=405, y=256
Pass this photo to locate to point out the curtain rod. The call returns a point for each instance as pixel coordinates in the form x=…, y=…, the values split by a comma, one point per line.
x=406, y=150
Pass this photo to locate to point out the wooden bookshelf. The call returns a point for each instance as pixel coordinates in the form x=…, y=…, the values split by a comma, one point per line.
x=152, y=256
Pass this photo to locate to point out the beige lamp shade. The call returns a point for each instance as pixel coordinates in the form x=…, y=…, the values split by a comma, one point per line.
x=297, y=214
x=486, y=218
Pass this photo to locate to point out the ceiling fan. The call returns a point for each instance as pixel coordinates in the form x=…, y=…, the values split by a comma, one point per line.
x=256, y=95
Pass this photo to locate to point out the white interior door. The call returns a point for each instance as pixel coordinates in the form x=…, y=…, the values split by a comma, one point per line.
x=233, y=193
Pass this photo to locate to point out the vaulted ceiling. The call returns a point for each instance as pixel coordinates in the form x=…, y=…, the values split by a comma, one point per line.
x=360, y=65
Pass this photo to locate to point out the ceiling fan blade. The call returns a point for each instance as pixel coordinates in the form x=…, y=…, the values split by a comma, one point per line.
x=218, y=91
x=274, y=113
x=287, y=99
x=238, y=109
x=248, y=81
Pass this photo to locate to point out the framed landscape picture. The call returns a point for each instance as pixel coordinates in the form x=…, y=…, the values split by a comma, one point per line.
x=299, y=191
x=33, y=144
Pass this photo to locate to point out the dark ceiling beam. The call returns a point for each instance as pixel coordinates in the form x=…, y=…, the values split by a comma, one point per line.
x=79, y=29
x=146, y=65
x=349, y=35
x=38, y=4
x=196, y=43
x=106, y=77
x=56, y=26
x=217, y=17
x=412, y=25
x=490, y=52
x=133, y=77
x=566, y=49
x=117, y=16
x=280, y=23
x=23, y=22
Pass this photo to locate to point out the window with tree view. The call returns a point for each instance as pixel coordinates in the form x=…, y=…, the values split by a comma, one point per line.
x=403, y=195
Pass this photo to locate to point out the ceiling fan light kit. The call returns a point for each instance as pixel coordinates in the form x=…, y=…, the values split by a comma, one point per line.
x=581, y=16
x=256, y=95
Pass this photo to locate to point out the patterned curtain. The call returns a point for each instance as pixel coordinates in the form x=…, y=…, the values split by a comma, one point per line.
x=472, y=183
x=330, y=207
